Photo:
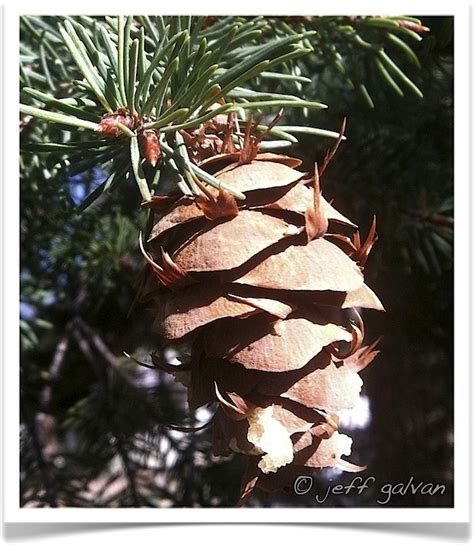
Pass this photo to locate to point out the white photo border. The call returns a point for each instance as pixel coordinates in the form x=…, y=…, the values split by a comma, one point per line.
x=462, y=332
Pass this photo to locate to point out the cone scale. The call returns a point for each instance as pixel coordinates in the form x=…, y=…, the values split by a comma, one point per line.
x=266, y=292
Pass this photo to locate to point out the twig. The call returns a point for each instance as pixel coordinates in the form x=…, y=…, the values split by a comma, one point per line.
x=43, y=465
x=54, y=369
x=130, y=473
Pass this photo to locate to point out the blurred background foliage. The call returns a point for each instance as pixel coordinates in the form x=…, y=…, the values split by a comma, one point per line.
x=94, y=423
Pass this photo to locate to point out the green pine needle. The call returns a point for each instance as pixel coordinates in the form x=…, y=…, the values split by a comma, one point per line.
x=137, y=169
x=54, y=117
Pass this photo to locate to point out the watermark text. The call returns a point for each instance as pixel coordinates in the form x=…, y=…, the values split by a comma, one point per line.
x=303, y=485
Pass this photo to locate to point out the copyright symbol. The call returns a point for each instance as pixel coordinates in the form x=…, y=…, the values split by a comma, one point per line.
x=303, y=484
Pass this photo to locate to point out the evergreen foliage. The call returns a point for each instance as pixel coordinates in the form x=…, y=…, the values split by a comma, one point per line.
x=94, y=423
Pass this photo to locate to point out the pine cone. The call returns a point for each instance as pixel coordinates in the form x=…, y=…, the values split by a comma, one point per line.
x=265, y=292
